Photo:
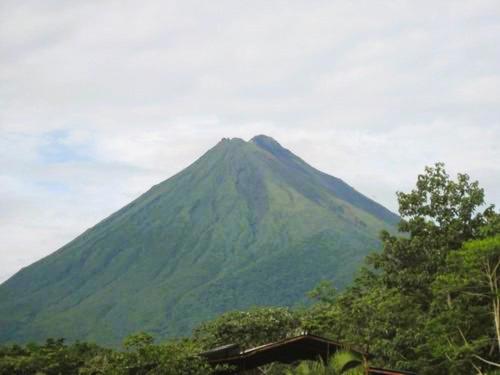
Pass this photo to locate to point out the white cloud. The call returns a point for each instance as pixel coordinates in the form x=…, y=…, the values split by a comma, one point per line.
x=101, y=99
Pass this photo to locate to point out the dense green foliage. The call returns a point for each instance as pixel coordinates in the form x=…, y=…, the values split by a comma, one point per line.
x=430, y=300
x=249, y=223
x=52, y=358
x=341, y=363
x=250, y=328
x=140, y=357
x=466, y=329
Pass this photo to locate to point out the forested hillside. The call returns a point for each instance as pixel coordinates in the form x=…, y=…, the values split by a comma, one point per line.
x=249, y=223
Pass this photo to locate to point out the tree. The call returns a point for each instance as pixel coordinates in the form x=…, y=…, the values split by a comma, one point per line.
x=181, y=357
x=437, y=217
x=248, y=328
x=368, y=315
x=143, y=357
x=390, y=307
x=52, y=358
x=466, y=325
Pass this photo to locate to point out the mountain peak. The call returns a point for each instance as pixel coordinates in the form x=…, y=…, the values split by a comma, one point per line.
x=231, y=140
x=269, y=144
x=262, y=138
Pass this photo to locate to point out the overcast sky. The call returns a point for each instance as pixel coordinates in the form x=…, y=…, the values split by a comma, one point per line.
x=99, y=100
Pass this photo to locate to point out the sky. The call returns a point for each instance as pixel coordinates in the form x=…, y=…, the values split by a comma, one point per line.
x=100, y=100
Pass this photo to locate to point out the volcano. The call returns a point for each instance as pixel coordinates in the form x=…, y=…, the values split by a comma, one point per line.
x=249, y=223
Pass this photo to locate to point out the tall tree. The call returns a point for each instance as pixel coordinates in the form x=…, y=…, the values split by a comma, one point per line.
x=390, y=307
x=250, y=328
x=437, y=217
x=465, y=328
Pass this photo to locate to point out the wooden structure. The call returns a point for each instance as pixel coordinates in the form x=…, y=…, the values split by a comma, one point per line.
x=289, y=350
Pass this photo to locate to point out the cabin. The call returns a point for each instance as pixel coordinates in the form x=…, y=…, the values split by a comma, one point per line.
x=289, y=350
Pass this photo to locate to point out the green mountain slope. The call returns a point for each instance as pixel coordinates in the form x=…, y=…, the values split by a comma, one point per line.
x=248, y=223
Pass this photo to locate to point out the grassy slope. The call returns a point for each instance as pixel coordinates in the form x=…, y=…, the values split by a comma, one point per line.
x=248, y=223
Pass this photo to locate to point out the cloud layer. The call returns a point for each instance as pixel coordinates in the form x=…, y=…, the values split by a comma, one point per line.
x=99, y=100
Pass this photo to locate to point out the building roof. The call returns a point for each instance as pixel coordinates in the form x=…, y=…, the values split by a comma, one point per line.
x=289, y=350
x=383, y=371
